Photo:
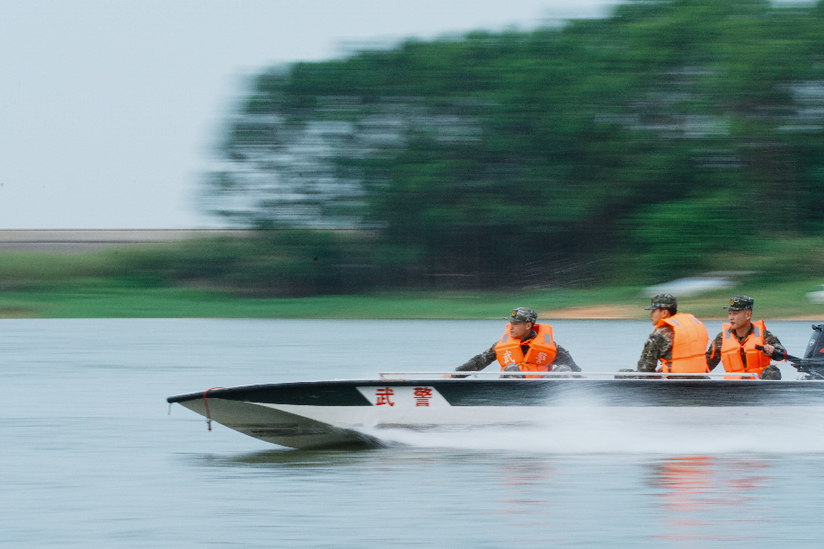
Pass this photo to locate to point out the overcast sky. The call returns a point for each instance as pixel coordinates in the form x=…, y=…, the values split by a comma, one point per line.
x=109, y=108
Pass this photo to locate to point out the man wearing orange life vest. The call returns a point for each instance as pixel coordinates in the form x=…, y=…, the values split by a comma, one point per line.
x=678, y=343
x=525, y=346
x=735, y=345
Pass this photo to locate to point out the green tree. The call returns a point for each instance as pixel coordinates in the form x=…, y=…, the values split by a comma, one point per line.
x=653, y=132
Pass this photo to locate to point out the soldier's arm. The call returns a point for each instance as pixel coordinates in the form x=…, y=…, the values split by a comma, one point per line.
x=655, y=348
x=770, y=339
x=563, y=358
x=478, y=362
x=714, y=352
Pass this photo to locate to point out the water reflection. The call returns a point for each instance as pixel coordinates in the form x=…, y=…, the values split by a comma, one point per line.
x=523, y=487
x=524, y=504
x=705, y=498
x=288, y=457
x=686, y=482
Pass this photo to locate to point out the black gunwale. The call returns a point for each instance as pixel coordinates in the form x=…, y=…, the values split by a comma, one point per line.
x=543, y=392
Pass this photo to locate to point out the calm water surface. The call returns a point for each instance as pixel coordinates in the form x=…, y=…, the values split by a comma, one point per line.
x=91, y=456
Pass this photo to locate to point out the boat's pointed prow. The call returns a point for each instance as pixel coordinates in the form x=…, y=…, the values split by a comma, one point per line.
x=270, y=424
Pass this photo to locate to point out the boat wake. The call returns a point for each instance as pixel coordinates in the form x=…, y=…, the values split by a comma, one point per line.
x=600, y=429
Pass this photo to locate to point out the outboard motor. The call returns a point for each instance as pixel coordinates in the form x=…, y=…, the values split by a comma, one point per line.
x=811, y=366
x=815, y=348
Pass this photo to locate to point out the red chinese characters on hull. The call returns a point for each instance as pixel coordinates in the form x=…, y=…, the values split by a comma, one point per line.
x=422, y=396
x=384, y=396
x=405, y=396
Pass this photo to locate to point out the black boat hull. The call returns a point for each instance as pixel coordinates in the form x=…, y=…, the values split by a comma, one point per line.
x=332, y=413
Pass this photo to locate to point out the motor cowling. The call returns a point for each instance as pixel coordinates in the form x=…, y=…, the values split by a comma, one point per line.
x=815, y=348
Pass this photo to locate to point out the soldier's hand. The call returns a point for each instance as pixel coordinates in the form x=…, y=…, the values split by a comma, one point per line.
x=768, y=349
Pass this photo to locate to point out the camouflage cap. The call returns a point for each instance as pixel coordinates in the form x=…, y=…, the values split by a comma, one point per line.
x=523, y=314
x=740, y=303
x=662, y=301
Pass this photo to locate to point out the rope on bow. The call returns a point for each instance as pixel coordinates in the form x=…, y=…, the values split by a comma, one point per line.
x=206, y=404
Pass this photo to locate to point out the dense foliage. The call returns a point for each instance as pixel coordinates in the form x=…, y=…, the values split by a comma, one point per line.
x=652, y=143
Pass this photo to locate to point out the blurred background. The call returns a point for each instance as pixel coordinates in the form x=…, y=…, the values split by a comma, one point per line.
x=664, y=140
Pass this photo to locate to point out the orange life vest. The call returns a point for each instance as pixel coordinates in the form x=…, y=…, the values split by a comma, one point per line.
x=541, y=353
x=688, y=346
x=731, y=350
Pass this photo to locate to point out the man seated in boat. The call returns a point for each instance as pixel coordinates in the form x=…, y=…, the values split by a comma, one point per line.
x=678, y=343
x=735, y=345
x=524, y=347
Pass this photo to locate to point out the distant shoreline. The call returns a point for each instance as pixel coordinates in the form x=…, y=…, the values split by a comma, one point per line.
x=55, y=280
x=627, y=312
x=101, y=299
x=85, y=240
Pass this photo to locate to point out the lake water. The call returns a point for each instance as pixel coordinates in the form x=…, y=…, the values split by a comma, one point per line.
x=91, y=456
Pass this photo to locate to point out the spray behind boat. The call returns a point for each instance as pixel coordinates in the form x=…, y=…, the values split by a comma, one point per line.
x=811, y=366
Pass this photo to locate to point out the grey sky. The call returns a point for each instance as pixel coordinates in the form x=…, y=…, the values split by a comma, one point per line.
x=108, y=108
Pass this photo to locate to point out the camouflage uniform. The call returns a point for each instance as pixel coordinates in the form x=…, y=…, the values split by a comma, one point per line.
x=739, y=303
x=659, y=342
x=563, y=360
x=658, y=346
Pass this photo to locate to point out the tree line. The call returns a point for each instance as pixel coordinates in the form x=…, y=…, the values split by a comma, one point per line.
x=649, y=144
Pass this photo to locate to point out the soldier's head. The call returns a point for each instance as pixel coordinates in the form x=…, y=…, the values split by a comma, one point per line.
x=740, y=311
x=521, y=322
x=662, y=306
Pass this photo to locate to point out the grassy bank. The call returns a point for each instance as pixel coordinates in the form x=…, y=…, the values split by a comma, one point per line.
x=101, y=299
x=140, y=283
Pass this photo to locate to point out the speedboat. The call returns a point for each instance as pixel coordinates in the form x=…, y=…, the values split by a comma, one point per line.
x=318, y=414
